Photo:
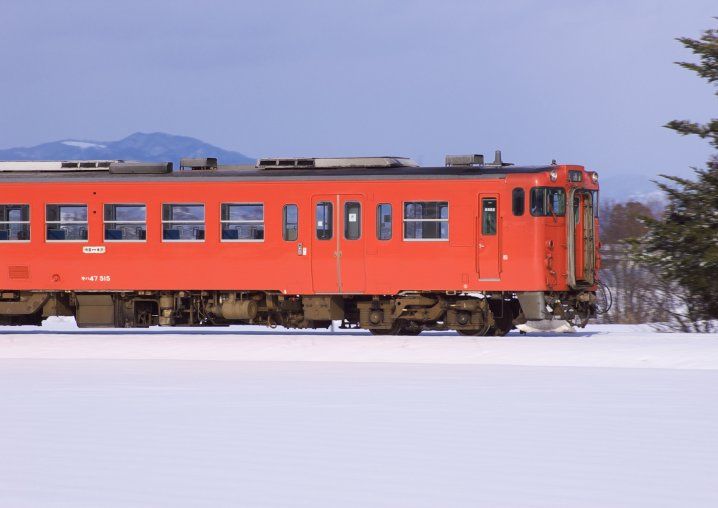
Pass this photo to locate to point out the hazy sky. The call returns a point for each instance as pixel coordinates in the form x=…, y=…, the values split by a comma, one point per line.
x=581, y=81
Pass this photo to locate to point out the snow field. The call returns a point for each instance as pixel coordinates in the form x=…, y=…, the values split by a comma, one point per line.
x=611, y=416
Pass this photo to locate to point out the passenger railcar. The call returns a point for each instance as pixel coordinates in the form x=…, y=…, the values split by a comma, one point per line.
x=374, y=242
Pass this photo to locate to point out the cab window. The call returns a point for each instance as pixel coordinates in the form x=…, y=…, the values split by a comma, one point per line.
x=548, y=201
x=518, y=198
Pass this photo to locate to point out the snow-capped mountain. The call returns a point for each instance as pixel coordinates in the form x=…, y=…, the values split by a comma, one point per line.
x=156, y=146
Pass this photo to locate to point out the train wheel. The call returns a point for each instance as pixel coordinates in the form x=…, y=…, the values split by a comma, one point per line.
x=481, y=332
x=396, y=329
x=499, y=332
x=500, y=328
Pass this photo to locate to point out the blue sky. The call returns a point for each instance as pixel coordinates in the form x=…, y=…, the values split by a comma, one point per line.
x=587, y=82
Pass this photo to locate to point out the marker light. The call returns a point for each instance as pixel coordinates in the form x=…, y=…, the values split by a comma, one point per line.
x=553, y=174
x=594, y=177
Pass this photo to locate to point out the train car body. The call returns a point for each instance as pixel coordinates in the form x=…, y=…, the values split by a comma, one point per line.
x=375, y=242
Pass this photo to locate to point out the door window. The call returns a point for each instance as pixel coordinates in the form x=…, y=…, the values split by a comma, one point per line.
x=488, y=216
x=290, y=223
x=324, y=225
x=352, y=220
x=383, y=221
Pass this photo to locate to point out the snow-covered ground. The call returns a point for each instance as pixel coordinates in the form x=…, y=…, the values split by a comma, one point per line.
x=608, y=416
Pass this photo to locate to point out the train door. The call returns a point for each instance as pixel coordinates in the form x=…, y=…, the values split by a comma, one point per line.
x=581, y=239
x=488, y=248
x=338, y=262
x=578, y=243
x=589, y=237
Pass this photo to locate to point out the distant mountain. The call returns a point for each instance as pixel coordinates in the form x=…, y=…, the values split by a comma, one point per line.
x=632, y=187
x=155, y=147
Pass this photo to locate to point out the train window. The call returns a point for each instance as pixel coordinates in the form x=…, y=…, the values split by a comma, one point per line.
x=125, y=223
x=14, y=223
x=242, y=222
x=66, y=223
x=426, y=220
x=488, y=216
x=518, y=200
x=290, y=223
x=183, y=223
x=548, y=201
x=383, y=221
x=594, y=202
x=324, y=214
x=352, y=220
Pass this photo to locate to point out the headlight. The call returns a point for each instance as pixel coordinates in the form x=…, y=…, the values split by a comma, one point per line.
x=594, y=177
x=553, y=174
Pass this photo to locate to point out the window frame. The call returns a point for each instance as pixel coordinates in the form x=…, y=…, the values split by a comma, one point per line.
x=379, y=222
x=105, y=222
x=404, y=220
x=9, y=222
x=284, y=222
x=180, y=240
x=86, y=222
x=252, y=221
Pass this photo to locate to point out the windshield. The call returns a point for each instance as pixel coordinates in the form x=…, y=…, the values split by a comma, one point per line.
x=548, y=201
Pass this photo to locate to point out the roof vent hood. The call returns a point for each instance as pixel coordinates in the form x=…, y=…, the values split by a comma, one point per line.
x=476, y=160
x=334, y=162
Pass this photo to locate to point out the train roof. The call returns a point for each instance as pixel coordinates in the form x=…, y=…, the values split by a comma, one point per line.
x=139, y=172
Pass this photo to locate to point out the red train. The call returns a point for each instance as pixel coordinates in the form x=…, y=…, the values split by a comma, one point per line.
x=376, y=242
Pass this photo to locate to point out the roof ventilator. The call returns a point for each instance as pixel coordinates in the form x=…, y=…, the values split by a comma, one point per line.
x=54, y=166
x=140, y=168
x=475, y=160
x=198, y=164
x=335, y=162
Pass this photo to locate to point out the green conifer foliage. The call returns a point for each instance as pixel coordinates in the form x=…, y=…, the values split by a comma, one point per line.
x=682, y=245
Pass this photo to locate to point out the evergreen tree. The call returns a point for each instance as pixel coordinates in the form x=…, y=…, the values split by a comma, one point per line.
x=681, y=247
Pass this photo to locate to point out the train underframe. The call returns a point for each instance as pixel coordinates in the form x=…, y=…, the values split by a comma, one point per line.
x=407, y=313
